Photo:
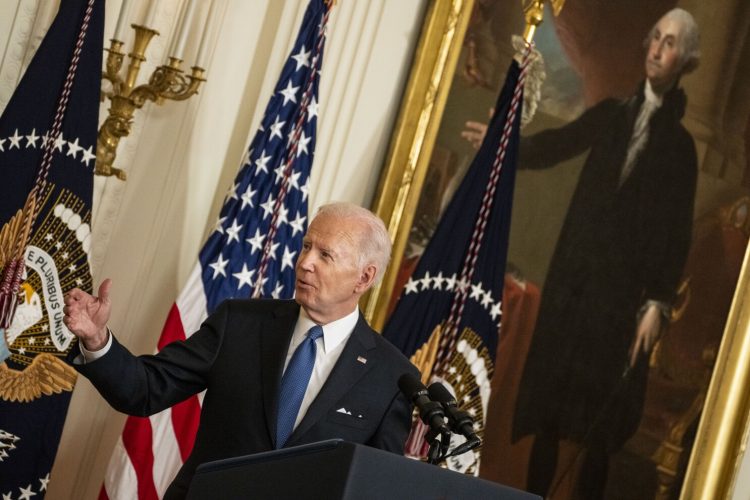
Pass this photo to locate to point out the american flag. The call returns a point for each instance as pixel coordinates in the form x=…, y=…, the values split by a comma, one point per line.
x=252, y=251
x=448, y=316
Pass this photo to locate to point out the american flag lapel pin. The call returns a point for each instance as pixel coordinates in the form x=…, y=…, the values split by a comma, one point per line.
x=361, y=359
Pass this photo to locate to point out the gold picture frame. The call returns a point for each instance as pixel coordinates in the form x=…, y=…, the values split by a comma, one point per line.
x=719, y=443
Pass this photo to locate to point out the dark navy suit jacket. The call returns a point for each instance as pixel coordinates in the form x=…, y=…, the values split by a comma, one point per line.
x=238, y=357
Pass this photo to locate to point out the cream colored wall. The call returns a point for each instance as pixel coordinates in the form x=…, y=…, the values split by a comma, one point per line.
x=181, y=157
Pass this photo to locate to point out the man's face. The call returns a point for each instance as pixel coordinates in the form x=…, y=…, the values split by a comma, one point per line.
x=663, y=64
x=329, y=281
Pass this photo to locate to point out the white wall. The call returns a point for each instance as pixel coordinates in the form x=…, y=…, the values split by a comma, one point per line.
x=181, y=157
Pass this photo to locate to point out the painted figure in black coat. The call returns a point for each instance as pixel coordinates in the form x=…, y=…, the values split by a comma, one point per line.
x=616, y=266
x=241, y=351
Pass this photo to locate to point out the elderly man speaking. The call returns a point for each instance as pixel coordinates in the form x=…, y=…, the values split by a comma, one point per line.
x=276, y=372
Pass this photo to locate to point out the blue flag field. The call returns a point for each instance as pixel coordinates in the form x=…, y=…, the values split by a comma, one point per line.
x=448, y=316
x=47, y=155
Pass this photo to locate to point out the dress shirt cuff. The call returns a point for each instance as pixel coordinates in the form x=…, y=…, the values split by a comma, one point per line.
x=91, y=356
x=665, y=310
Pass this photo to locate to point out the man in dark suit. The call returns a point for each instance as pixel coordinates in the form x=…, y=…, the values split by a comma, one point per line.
x=617, y=264
x=248, y=353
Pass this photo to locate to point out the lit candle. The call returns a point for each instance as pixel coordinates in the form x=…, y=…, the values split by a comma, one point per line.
x=151, y=14
x=187, y=20
x=200, y=60
x=122, y=20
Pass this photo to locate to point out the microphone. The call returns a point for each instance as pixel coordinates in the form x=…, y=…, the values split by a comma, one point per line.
x=459, y=421
x=430, y=412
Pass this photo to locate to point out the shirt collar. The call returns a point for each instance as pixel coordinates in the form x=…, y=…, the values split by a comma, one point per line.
x=652, y=97
x=335, y=332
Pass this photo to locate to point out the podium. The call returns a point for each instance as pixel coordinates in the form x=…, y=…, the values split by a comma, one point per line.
x=337, y=469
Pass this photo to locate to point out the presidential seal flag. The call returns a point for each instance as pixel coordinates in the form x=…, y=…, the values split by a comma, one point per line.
x=251, y=252
x=47, y=155
x=448, y=316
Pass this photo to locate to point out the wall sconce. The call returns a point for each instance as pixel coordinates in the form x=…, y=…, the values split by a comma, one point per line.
x=167, y=81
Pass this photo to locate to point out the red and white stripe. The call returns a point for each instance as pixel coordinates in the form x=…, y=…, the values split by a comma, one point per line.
x=151, y=450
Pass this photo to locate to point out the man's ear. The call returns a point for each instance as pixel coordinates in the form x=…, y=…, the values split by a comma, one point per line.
x=366, y=278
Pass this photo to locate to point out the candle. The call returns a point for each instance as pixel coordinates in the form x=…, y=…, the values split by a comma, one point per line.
x=182, y=35
x=151, y=14
x=122, y=20
x=200, y=60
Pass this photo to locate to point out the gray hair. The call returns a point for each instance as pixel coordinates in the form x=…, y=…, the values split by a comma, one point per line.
x=374, y=243
x=689, y=40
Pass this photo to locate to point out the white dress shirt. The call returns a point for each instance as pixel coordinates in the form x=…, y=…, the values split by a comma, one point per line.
x=651, y=102
x=328, y=350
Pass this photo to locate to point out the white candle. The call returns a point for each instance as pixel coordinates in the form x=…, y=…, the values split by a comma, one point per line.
x=122, y=20
x=182, y=35
x=151, y=14
x=200, y=60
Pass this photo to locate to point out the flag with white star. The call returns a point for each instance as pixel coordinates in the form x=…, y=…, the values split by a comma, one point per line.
x=448, y=315
x=251, y=252
x=272, y=184
x=51, y=120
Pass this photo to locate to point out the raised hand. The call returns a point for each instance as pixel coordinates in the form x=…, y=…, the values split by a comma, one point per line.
x=86, y=315
x=474, y=132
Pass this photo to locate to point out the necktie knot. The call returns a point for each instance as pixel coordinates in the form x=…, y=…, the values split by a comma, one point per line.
x=315, y=332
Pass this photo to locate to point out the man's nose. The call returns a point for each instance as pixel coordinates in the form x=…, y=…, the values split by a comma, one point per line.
x=305, y=261
x=656, y=50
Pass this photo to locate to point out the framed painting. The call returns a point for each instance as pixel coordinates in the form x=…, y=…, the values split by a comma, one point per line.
x=691, y=418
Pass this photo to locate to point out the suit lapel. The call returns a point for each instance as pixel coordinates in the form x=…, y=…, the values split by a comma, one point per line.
x=277, y=334
x=346, y=372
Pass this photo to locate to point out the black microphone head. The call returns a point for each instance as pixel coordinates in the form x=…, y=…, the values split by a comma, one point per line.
x=431, y=412
x=411, y=386
x=439, y=393
x=459, y=420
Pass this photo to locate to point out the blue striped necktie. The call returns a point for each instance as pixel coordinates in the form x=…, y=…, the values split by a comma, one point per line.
x=294, y=384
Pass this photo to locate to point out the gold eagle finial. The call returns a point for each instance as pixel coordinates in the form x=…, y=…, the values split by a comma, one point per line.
x=534, y=13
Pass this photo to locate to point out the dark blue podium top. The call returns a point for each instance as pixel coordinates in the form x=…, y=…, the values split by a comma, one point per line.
x=335, y=469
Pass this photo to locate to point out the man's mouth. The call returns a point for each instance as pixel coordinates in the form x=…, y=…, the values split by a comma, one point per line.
x=304, y=284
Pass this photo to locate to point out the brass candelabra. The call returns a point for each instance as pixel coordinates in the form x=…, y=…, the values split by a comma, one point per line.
x=167, y=81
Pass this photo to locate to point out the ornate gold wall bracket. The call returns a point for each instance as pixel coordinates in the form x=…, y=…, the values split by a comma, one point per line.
x=167, y=82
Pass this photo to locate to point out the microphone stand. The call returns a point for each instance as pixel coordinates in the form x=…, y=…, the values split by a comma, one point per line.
x=433, y=454
x=438, y=450
x=469, y=445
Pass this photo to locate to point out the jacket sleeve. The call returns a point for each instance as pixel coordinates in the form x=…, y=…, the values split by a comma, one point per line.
x=145, y=385
x=394, y=429
x=551, y=146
